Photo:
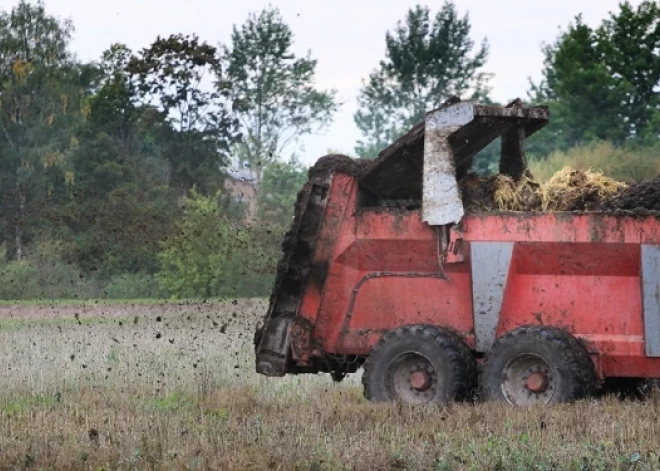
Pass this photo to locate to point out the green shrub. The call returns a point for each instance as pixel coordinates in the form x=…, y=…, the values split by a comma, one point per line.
x=212, y=256
x=17, y=280
x=133, y=286
x=43, y=275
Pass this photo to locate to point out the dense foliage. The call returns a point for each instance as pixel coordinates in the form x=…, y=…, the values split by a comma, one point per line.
x=114, y=174
x=602, y=83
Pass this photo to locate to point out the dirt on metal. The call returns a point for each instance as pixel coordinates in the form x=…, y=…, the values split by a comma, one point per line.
x=291, y=241
x=293, y=265
x=336, y=163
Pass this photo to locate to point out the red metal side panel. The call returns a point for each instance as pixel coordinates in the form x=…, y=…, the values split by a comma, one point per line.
x=393, y=225
x=589, y=289
x=386, y=302
x=560, y=227
x=394, y=261
x=335, y=211
x=341, y=278
x=578, y=272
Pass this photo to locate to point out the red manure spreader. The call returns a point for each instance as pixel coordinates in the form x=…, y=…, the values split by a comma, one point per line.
x=384, y=269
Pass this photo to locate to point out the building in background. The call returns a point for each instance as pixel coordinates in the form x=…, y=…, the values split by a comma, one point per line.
x=242, y=187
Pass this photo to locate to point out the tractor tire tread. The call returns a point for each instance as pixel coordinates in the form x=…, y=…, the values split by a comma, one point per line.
x=464, y=365
x=573, y=354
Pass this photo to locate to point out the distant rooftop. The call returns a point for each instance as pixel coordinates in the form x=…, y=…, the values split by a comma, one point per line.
x=241, y=174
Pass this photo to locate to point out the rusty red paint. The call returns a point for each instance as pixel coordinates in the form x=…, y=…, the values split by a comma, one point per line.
x=420, y=380
x=537, y=382
x=382, y=270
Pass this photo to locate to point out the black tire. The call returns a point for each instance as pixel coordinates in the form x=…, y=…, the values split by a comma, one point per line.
x=561, y=366
x=445, y=363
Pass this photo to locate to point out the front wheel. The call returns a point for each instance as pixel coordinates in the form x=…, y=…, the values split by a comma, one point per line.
x=537, y=365
x=419, y=365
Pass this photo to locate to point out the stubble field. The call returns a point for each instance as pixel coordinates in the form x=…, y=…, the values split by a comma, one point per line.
x=172, y=386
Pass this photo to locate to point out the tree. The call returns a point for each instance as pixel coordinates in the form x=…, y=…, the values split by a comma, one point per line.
x=602, y=83
x=169, y=74
x=279, y=189
x=272, y=89
x=113, y=109
x=119, y=203
x=39, y=88
x=426, y=63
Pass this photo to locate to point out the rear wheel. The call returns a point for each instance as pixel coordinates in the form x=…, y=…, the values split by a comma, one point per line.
x=533, y=365
x=419, y=365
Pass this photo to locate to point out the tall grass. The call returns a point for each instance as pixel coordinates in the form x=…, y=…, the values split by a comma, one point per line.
x=173, y=387
x=624, y=164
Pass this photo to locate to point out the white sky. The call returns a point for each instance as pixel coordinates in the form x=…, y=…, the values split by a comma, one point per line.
x=346, y=36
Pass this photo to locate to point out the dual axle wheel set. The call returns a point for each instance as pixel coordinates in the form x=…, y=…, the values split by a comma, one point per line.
x=531, y=365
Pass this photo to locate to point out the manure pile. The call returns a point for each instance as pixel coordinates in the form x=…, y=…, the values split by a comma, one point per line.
x=569, y=189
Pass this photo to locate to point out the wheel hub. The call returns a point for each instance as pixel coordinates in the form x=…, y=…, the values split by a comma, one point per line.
x=421, y=380
x=412, y=378
x=537, y=382
x=528, y=379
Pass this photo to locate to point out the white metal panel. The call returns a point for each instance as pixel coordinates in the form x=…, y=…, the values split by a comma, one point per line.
x=651, y=298
x=441, y=203
x=490, y=271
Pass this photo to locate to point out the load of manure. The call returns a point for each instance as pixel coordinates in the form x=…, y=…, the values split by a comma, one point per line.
x=569, y=189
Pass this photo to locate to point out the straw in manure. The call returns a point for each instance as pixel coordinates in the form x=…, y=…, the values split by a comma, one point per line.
x=572, y=189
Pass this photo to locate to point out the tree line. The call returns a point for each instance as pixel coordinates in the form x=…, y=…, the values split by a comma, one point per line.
x=112, y=171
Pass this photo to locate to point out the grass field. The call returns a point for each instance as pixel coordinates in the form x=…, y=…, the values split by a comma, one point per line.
x=171, y=386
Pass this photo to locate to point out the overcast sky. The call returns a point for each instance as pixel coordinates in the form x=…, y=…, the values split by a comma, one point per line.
x=346, y=36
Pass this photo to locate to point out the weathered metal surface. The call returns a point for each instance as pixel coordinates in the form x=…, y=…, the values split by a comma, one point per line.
x=580, y=272
x=373, y=271
x=294, y=270
x=401, y=169
x=527, y=379
x=585, y=288
x=534, y=113
x=512, y=159
x=330, y=230
x=490, y=270
x=274, y=347
x=301, y=339
x=397, y=171
x=577, y=272
x=441, y=201
x=651, y=296
x=560, y=227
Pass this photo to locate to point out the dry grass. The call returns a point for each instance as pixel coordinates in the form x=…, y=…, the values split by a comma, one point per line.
x=573, y=188
x=523, y=195
x=188, y=399
x=620, y=163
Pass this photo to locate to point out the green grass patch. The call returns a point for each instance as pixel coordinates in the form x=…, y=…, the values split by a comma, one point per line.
x=117, y=302
x=21, y=404
x=170, y=402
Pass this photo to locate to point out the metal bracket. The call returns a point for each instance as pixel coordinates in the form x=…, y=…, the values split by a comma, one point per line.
x=451, y=245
